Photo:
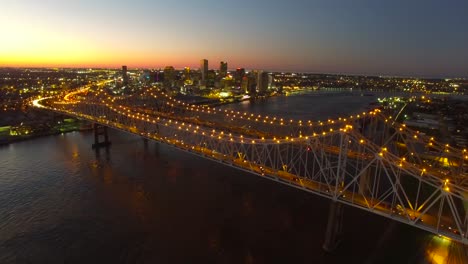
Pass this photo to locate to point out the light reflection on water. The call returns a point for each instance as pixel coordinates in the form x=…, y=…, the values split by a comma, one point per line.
x=145, y=203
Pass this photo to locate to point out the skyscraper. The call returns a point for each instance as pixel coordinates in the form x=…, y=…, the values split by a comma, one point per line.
x=169, y=76
x=204, y=70
x=187, y=73
x=240, y=72
x=252, y=82
x=223, y=67
x=262, y=81
x=124, y=75
x=186, y=76
x=238, y=75
x=245, y=84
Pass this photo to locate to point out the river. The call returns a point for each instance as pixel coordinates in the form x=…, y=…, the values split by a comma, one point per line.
x=62, y=202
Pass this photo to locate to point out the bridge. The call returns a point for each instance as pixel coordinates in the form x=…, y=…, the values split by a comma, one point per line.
x=366, y=160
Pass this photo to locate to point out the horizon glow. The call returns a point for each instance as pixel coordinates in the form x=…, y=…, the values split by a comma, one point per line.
x=421, y=38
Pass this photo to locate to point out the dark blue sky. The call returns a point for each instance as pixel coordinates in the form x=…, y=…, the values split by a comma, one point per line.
x=414, y=37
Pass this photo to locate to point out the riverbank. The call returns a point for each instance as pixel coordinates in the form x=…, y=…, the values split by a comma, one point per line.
x=298, y=92
x=81, y=125
x=14, y=139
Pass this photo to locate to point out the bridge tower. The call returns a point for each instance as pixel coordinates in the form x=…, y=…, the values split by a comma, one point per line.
x=334, y=230
x=100, y=131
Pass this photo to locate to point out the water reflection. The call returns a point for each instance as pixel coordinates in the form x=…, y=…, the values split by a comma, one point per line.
x=143, y=202
x=441, y=250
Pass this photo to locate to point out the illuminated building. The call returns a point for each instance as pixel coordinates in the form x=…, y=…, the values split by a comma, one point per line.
x=252, y=82
x=270, y=81
x=169, y=76
x=187, y=73
x=186, y=77
x=223, y=68
x=262, y=81
x=158, y=76
x=245, y=84
x=227, y=82
x=146, y=76
x=204, y=70
x=238, y=76
x=240, y=72
x=124, y=75
x=210, y=78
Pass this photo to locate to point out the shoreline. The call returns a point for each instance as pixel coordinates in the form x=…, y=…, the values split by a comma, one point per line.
x=11, y=140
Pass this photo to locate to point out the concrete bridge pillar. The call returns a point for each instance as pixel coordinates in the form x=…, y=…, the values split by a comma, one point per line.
x=100, y=131
x=334, y=227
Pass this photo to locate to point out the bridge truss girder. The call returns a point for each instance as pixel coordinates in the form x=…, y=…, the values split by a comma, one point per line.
x=346, y=165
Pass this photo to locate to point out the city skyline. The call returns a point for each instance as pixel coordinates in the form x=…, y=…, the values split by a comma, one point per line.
x=420, y=39
x=215, y=131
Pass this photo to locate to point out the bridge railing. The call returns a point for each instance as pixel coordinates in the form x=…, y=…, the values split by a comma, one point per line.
x=342, y=165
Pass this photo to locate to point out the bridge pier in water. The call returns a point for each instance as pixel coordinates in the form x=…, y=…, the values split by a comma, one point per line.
x=333, y=234
x=100, y=131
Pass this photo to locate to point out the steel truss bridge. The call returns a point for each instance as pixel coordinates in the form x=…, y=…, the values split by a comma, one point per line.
x=367, y=160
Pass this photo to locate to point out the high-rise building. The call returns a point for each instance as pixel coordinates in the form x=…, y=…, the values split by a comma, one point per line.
x=262, y=81
x=245, y=84
x=169, y=76
x=210, y=78
x=204, y=70
x=158, y=76
x=252, y=82
x=240, y=72
x=186, y=76
x=223, y=68
x=186, y=73
x=270, y=81
x=238, y=75
x=124, y=75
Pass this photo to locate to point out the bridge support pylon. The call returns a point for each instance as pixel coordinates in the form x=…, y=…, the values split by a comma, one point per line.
x=100, y=131
x=334, y=230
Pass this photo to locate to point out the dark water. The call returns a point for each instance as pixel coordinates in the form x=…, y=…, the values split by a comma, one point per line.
x=60, y=202
x=309, y=106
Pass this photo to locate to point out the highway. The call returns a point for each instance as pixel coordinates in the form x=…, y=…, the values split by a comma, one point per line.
x=341, y=164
